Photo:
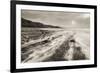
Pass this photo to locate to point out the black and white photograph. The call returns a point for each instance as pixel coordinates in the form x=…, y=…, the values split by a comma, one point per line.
x=52, y=36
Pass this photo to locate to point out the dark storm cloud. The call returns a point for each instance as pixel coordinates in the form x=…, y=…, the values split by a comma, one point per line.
x=62, y=19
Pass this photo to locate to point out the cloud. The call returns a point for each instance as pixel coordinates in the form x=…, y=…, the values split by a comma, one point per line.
x=58, y=18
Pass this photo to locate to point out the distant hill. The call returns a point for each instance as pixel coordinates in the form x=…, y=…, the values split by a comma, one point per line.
x=28, y=23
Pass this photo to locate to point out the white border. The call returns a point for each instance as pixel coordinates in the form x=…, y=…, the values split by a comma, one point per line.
x=20, y=65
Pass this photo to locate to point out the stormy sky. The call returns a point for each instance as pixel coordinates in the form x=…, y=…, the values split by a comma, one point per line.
x=58, y=18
